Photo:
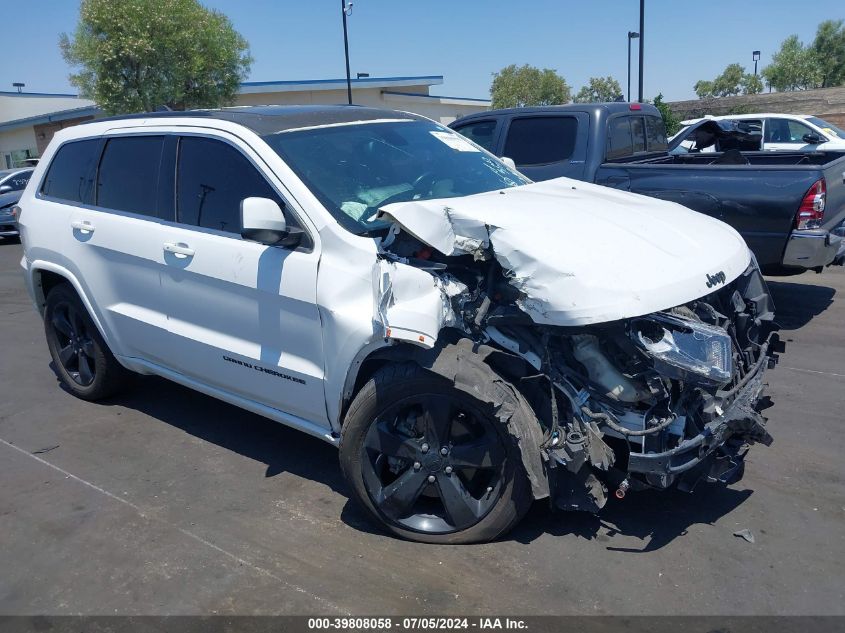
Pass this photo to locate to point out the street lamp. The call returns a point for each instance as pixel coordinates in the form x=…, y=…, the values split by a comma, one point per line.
x=345, y=10
x=755, y=55
x=631, y=36
x=642, y=49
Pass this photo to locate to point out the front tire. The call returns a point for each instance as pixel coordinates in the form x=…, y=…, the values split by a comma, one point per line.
x=432, y=463
x=85, y=365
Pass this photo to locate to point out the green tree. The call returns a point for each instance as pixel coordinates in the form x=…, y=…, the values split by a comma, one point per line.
x=517, y=86
x=728, y=83
x=599, y=90
x=751, y=84
x=672, y=122
x=829, y=52
x=732, y=81
x=793, y=67
x=137, y=55
x=703, y=88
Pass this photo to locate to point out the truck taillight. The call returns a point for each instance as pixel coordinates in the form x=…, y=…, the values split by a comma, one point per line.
x=811, y=212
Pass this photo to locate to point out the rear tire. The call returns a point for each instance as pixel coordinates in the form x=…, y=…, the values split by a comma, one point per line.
x=432, y=463
x=85, y=365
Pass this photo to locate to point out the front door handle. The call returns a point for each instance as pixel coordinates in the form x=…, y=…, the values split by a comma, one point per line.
x=82, y=225
x=180, y=250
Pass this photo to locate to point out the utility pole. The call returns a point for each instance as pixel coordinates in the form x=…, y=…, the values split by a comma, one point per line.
x=642, y=45
x=631, y=36
x=345, y=11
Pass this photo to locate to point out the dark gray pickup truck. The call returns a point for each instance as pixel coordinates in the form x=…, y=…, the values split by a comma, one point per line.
x=789, y=207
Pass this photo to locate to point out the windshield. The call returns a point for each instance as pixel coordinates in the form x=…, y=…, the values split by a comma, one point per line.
x=354, y=169
x=826, y=127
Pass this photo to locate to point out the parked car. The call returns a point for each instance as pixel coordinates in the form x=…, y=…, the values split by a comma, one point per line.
x=469, y=340
x=785, y=205
x=12, y=184
x=709, y=135
x=777, y=132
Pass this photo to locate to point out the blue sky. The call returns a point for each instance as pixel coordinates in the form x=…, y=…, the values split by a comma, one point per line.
x=464, y=40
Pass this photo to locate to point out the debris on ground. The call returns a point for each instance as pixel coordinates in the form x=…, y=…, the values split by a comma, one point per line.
x=746, y=534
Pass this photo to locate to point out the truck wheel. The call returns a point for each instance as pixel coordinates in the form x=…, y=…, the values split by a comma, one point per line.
x=84, y=363
x=432, y=463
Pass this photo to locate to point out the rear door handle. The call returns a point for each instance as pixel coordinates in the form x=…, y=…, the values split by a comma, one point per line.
x=180, y=250
x=82, y=225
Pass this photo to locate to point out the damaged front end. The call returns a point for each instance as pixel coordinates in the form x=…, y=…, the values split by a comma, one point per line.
x=671, y=398
x=666, y=398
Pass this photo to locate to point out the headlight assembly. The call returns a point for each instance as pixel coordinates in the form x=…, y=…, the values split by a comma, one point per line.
x=684, y=349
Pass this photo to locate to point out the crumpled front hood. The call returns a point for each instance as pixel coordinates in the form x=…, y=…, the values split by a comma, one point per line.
x=581, y=253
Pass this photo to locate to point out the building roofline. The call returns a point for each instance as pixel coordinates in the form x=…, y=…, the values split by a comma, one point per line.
x=248, y=87
x=15, y=93
x=429, y=79
x=440, y=98
x=252, y=87
x=50, y=117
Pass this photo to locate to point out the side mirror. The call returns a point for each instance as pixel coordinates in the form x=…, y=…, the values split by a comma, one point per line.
x=5, y=188
x=509, y=162
x=262, y=220
x=811, y=138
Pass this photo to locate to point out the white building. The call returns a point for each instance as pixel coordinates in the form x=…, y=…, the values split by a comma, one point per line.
x=29, y=120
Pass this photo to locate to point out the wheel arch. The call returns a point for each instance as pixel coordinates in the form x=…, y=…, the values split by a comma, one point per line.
x=44, y=276
x=463, y=362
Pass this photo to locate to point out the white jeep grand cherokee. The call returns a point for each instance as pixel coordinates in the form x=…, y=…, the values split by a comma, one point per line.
x=470, y=340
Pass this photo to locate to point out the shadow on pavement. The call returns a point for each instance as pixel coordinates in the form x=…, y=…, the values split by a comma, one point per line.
x=797, y=304
x=281, y=448
x=654, y=517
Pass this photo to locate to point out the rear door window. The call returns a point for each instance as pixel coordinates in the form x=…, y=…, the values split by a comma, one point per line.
x=212, y=179
x=541, y=140
x=480, y=132
x=70, y=176
x=128, y=176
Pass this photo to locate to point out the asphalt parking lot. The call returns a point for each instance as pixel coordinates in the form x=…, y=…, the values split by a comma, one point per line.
x=165, y=501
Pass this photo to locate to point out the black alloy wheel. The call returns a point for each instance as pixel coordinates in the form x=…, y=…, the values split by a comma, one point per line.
x=84, y=364
x=75, y=345
x=433, y=464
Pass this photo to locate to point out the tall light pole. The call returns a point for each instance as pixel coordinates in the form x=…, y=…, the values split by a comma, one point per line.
x=631, y=36
x=755, y=55
x=642, y=43
x=346, y=9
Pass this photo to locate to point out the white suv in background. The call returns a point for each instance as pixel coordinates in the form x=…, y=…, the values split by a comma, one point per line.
x=470, y=340
x=779, y=132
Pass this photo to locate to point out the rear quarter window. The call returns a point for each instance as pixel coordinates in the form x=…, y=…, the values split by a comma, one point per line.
x=619, y=141
x=627, y=135
x=70, y=176
x=655, y=132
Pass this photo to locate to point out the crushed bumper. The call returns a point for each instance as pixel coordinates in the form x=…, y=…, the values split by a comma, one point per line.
x=812, y=248
x=717, y=452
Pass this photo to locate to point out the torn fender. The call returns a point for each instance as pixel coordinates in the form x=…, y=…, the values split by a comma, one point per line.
x=411, y=304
